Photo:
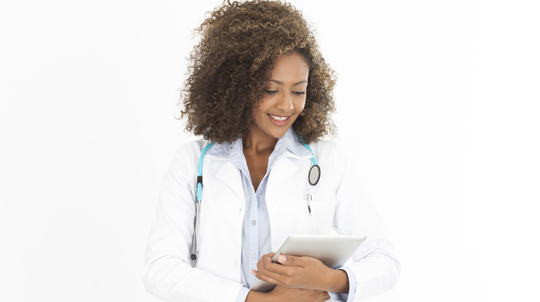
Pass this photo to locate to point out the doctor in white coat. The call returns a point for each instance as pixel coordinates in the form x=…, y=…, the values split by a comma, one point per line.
x=255, y=176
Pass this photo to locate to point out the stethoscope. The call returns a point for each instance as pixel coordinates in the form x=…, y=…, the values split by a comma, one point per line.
x=313, y=178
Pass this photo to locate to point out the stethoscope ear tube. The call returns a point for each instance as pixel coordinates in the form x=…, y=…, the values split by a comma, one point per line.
x=198, y=197
x=195, y=241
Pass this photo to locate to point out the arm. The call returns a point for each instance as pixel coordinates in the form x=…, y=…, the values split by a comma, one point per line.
x=374, y=265
x=286, y=294
x=373, y=268
x=168, y=273
x=301, y=272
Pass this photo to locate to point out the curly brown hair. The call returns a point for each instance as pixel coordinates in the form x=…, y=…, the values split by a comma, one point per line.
x=228, y=68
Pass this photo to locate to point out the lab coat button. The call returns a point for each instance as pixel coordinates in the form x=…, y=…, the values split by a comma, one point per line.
x=253, y=222
x=253, y=255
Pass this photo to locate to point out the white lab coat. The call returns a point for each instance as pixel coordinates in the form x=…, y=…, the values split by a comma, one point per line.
x=339, y=205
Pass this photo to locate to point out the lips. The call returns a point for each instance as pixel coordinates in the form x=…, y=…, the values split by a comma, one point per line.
x=279, y=120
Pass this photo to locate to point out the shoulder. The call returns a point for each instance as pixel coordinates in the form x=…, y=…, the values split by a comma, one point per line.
x=188, y=154
x=332, y=156
x=192, y=149
x=327, y=148
x=324, y=144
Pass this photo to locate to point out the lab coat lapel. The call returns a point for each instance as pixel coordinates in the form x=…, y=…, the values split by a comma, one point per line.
x=286, y=187
x=283, y=169
x=290, y=161
x=231, y=177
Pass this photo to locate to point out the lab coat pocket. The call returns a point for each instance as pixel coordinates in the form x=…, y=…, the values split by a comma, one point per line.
x=318, y=221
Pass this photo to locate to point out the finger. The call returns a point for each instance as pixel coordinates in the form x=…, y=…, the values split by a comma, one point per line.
x=268, y=277
x=266, y=258
x=323, y=296
x=277, y=268
x=274, y=272
x=269, y=255
x=265, y=262
x=263, y=277
x=260, y=267
x=269, y=271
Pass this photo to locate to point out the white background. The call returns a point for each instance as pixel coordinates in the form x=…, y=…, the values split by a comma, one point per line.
x=437, y=101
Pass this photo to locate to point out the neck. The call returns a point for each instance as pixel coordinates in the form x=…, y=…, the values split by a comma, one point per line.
x=256, y=141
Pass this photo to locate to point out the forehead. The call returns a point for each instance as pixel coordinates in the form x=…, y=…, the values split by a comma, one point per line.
x=290, y=69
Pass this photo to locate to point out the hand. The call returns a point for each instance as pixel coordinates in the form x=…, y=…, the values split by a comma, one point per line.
x=301, y=272
x=284, y=294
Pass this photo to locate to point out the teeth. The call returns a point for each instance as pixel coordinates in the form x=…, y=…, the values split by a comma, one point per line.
x=279, y=118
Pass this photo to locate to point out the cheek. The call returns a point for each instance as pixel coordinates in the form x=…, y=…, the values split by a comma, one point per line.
x=299, y=105
x=259, y=111
x=264, y=105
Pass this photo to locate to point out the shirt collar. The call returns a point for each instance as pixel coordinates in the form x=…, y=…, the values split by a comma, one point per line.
x=294, y=147
x=289, y=145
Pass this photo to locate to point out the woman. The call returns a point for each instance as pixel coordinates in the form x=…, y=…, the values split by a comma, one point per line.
x=258, y=90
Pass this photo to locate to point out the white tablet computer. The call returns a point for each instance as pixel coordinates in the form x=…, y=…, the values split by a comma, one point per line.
x=333, y=251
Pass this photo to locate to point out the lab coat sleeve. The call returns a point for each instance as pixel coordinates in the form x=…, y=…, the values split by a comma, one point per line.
x=375, y=265
x=168, y=273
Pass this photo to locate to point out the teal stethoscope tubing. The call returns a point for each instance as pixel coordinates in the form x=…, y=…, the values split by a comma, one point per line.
x=313, y=178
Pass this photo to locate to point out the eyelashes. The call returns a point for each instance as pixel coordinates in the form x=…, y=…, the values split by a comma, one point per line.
x=271, y=92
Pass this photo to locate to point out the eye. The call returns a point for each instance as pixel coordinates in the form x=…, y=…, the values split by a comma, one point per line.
x=299, y=92
x=271, y=91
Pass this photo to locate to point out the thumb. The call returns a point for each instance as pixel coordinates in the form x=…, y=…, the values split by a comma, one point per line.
x=293, y=260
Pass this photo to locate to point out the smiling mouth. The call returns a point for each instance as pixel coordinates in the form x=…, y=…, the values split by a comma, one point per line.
x=278, y=118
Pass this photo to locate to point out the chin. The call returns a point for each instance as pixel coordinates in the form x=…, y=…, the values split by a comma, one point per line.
x=278, y=133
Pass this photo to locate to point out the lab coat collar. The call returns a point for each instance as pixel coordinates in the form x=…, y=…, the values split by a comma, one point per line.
x=229, y=172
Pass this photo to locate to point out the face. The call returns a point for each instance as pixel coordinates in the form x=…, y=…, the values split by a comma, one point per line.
x=284, y=97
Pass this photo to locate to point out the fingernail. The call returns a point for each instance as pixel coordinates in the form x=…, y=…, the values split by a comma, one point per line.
x=253, y=273
x=282, y=258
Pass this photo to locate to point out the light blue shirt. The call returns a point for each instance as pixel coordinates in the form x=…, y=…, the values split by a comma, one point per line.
x=256, y=233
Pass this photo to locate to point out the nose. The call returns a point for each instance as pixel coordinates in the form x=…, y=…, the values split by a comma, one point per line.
x=285, y=102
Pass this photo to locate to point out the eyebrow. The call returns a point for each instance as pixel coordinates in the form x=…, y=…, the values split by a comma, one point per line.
x=281, y=83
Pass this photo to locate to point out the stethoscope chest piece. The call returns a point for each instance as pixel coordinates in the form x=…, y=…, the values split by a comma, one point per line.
x=314, y=175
